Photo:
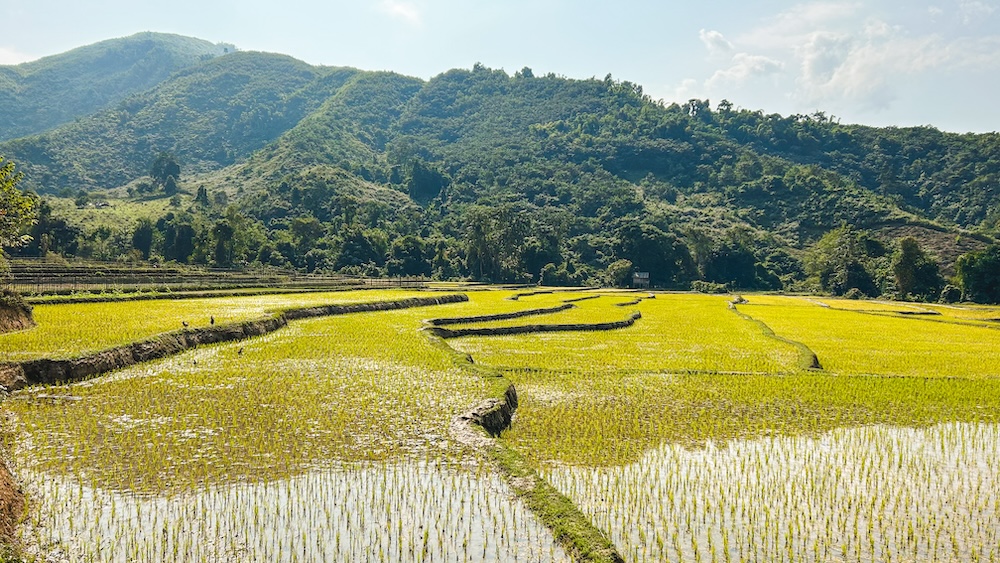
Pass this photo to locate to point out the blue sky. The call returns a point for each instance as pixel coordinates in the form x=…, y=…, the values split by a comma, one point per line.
x=880, y=62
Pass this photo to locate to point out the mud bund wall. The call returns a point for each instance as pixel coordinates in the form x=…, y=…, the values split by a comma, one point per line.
x=15, y=375
x=526, y=329
x=499, y=316
x=15, y=315
x=493, y=415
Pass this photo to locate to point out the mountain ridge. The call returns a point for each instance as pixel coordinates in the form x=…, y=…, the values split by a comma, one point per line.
x=339, y=164
x=38, y=95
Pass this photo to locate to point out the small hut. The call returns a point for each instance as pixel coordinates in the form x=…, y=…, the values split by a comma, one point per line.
x=640, y=280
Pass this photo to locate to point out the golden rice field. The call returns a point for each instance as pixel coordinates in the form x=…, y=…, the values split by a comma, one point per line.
x=678, y=333
x=693, y=435
x=75, y=329
x=315, y=417
x=853, y=343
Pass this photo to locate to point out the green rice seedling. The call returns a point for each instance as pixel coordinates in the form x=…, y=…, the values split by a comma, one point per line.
x=392, y=511
x=678, y=333
x=850, y=343
x=337, y=425
x=74, y=329
x=872, y=493
x=614, y=418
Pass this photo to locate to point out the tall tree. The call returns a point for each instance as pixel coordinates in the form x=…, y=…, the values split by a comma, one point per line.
x=650, y=249
x=17, y=209
x=142, y=237
x=164, y=167
x=838, y=262
x=917, y=275
x=979, y=275
x=222, y=233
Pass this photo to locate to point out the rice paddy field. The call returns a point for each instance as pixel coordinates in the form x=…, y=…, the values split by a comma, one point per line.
x=74, y=329
x=696, y=434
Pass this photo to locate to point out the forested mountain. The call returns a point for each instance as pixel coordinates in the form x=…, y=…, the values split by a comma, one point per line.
x=478, y=173
x=211, y=114
x=42, y=94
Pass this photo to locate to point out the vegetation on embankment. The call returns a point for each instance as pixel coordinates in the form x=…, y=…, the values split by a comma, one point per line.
x=499, y=316
x=15, y=375
x=807, y=358
x=534, y=328
x=493, y=416
x=68, y=331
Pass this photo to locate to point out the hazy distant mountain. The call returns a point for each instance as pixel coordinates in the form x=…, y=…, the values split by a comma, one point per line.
x=42, y=94
x=209, y=115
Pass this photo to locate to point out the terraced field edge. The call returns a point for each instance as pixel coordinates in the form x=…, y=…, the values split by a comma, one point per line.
x=807, y=358
x=16, y=375
x=527, y=329
x=481, y=425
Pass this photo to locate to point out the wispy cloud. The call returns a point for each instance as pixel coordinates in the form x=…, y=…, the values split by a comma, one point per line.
x=840, y=52
x=741, y=67
x=745, y=67
x=972, y=11
x=402, y=10
x=715, y=42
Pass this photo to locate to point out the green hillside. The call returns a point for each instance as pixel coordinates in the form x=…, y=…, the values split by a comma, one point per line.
x=208, y=116
x=477, y=173
x=42, y=94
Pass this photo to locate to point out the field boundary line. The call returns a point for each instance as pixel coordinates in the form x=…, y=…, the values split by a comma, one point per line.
x=16, y=375
x=498, y=316
x=807, y=358
x=479, y=428
x=448, y=333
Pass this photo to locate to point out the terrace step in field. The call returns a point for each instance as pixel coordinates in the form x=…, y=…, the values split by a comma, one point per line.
x=693, y=433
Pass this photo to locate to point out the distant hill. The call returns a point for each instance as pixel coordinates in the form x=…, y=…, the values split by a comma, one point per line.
x=42, y=94
x=209, y=115
x=482, y=174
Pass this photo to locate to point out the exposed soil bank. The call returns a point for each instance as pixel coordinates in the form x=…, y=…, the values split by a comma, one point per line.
x=498, y=316
x=343, y=309
x=525, y=329
x=493, y=415
x=15, y=314
x=32, y=372
x=517, y=296
x=586, y=298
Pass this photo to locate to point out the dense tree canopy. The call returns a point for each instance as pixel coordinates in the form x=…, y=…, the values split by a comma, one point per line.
x=17, y=209
x=979, y=275
x=523, y=178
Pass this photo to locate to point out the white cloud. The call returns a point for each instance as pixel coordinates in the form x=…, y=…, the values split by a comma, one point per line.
x=402, y=10
x=715, y=42
x=844, y=55
x=10, y=56
x=794, y=26
x=745, y=66
x=864, y=67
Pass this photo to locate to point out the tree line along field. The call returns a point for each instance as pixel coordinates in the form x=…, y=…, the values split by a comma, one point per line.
x=697, y=433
